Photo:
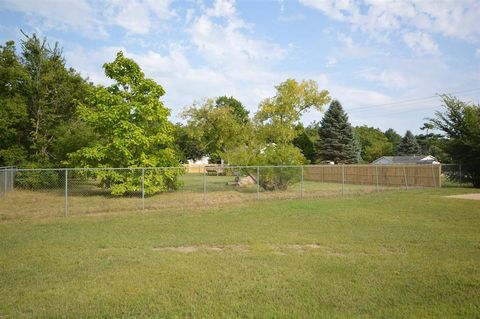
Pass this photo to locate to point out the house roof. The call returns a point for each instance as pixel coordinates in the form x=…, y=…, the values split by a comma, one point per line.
x=413, y=159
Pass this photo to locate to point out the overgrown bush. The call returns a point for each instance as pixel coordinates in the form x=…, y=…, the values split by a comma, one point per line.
x=271, y=178
x=122, y=182
x=39, y=179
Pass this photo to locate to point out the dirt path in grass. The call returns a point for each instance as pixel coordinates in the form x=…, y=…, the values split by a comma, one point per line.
x=475, y=196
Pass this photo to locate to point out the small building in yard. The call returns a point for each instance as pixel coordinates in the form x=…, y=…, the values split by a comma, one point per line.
x=413, y=159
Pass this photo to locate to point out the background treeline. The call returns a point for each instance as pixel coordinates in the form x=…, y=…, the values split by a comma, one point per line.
x=50, y=116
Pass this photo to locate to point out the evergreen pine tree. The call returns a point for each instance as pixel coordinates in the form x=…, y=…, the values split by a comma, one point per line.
x=409, y=145
x=337, y=141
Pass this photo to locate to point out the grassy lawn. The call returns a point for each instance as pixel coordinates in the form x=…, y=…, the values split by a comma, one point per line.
x=405, y=254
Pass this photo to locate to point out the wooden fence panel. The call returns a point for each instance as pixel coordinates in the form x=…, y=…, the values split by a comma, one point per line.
x=421, y=175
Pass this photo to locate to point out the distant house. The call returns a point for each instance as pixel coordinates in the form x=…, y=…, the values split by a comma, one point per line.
x=414, y=159
x=202, y=161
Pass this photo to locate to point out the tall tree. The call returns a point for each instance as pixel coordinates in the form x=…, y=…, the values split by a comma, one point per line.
x=278, y=116
x=394, y=138
x=14, y=121
x=52, y=93
x=409, y=145
x=134, y=129
x=373, y=143
x=237, y=108
x=337, y=140
x=215, y=130
x=460, y=123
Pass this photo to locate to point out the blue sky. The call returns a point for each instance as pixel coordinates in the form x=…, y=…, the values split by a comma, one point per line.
x=376, y=57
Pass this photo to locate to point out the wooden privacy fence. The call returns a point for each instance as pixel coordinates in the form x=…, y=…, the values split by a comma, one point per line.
x=199, y=168
x=410, y=175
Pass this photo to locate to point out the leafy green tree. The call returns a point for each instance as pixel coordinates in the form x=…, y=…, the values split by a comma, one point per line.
x=307, y=140
x=373, y=143
x=14, y=121
x=52, y=92
x=186, y=146
x=277, y=117
x=237, y=108
x=394, y=138
x=337, y=140
x=409, y=145
x=276, y=125
x=134, y=130
x=215, y=130
x=460, y=123
x=271, y=178
x=432, y=143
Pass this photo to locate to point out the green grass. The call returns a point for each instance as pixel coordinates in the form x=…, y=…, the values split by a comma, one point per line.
x=387, y=255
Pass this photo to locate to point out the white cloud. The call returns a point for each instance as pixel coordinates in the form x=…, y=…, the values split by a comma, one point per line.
x=421, y=43
x=229, y=46
x=339, y=10
x=92, y=19
x=73, y=15
x=452, y=18
x=133, y=16
x=222, y=8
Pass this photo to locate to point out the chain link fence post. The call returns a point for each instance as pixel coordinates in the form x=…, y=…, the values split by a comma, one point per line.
x=301, y=185
x=12, y=172
x=205, y=185
x=5, y=182
x=143, y=189
x=258, y=183
x=66, y=192
x=343, y=179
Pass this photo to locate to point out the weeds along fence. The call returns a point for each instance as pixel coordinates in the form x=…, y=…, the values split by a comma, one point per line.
x=75, y=191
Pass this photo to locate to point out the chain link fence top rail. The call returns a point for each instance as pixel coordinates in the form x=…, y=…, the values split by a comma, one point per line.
x=34, y=193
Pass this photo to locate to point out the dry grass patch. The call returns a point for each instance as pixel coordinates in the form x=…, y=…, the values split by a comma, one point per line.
x=208, y=248
x=474, y=196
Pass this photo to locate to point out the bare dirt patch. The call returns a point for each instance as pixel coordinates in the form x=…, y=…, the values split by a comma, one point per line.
x=192, y=249
x=475, y=196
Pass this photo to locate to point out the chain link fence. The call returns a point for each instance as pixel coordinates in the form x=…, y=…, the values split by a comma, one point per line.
x=75, y=191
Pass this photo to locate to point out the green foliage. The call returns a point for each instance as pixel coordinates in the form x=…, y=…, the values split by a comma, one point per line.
x=307, y=141
x=394, y=138
x=373, y=143
x=133, y=127
x=39, y=180
x=460, y=123
x=271, y=178
x=337, y=140
x=409, y=145
x=38, y=98
x=187, y=147
x=14, y=120
x=52, y=93
x=278, y=116
x=237, y=108
x=215, y=130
